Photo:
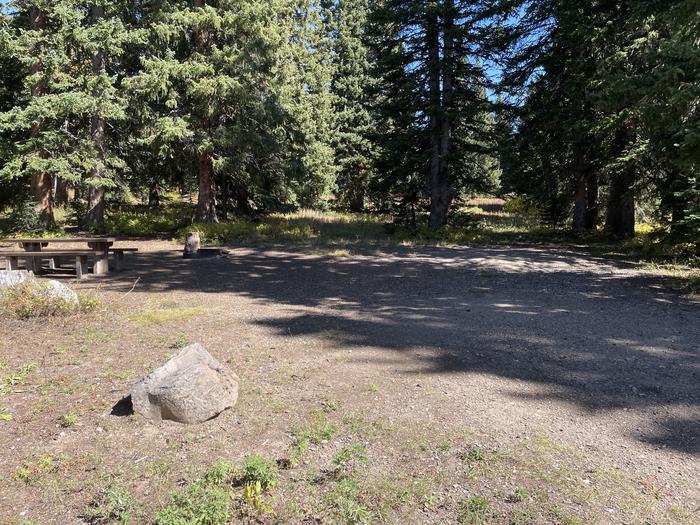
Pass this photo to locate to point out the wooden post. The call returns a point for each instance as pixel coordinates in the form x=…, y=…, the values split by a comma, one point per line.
x=118, y=260
x=81, y=266
x=13, y=263
x=192, y=245
x=33, y=263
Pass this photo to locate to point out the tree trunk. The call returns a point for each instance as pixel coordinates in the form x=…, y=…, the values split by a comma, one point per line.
x=225, y=191
x=580, y=206
x=95, y=215
x=242, y=199
x=206, y=200
x=40, y=182
x=620, y=217
x=442, y=187
x=438, y=201
x=356, y=199
x=153, y=195
x=592, y=202
x=61, y=193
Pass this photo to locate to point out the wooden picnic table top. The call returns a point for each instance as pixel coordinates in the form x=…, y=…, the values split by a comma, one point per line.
x=61, y=239
x=49, y=253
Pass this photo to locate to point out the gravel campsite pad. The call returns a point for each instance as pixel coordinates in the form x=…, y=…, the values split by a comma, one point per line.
x=401, y=385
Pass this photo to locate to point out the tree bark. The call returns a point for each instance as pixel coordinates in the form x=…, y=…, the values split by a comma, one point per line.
x=580, y=206
x=41, y=183
x=442, y=187
x=95, y=215
x=153, y=195
x=206, y=200
x=61, y=193
x=437, y=191
x=592, y=202
x=620, y=217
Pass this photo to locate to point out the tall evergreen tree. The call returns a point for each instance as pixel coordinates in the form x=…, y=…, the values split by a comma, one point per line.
x=430, y=85
x=241, y=86
x=350, y=87
x=60, y=129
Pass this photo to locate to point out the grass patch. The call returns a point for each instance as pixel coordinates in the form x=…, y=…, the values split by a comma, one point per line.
x=475, y=511
x=32, y=472
x=165, y=315
x=113, y=504
x=201, y=502
x=212, y=500
x=16, y=378
x=317, y=430
x=69, y=420
x=34, y=299
x=140, y=221
x=345, y=506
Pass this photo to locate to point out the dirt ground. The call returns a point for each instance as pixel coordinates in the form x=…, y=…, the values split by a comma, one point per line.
x=568, y=381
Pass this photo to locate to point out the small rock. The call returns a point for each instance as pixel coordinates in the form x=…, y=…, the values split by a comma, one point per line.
x=190, y=387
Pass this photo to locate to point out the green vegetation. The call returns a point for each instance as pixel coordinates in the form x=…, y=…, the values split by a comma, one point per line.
x=201, y=502
x=17, y=378
x=475, y=511
x=113, y=504
x=31, y=299
x=212, y=500
x=32, y=472
x=165, y=314
x=128, y=119
x=317, y=430
x=345, y=505
x=257, y=469
x=69, y=420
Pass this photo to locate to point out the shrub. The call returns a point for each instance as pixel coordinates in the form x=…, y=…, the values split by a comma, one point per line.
x=520, y=205
x=112, y=505
x=200, y=503
x=24, y=218
x=259, y=469
x=139, y=221
x=68, y=420
x=249, y=231
x=31, y=299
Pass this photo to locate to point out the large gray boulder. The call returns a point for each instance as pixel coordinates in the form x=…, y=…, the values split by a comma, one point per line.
x=190, y=387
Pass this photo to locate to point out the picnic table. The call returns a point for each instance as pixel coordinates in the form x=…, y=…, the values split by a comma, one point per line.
x=97, y=247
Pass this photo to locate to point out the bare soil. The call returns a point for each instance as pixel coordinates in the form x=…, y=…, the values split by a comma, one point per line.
x=569, y=380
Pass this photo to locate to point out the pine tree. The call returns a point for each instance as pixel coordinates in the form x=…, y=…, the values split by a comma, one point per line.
x=64, y=45
x=430, y=85
x=350, y=88
x=241, y=86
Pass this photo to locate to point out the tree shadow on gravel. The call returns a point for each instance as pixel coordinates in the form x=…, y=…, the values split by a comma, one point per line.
x=581, y=326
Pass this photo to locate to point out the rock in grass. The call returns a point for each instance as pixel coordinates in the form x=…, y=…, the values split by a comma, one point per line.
x=58, y=290
x=12, y=278
x=190, y=387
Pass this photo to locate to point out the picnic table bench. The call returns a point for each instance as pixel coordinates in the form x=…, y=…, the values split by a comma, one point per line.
x=99, y=248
